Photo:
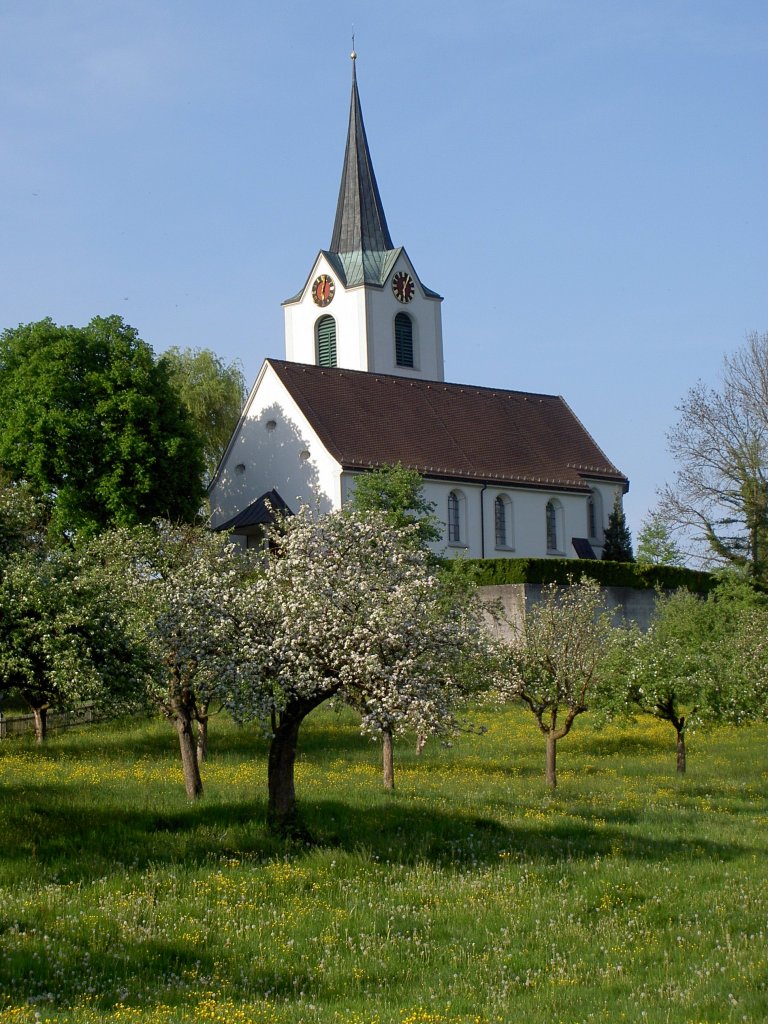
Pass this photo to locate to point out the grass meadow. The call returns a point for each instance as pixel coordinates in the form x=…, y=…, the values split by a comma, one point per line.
x=470, y=895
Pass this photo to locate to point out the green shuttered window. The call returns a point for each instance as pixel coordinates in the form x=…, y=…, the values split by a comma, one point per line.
x=325, y=330
x=403, y=340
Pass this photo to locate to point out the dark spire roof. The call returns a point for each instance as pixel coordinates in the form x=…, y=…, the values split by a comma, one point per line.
x=360, y=224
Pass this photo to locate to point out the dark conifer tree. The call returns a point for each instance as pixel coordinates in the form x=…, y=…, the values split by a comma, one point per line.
x=617, y=545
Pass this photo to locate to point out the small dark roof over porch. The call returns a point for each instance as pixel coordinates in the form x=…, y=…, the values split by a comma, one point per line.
x=262, y=512
x=583, y=548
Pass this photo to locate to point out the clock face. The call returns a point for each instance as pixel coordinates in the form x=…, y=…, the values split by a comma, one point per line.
x=323, y=290
x=403, y=287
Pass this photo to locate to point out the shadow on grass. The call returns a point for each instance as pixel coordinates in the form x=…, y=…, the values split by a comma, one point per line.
x=406, y=835
x=515, y=767
x=124, y=970
x=52, y=833
x=595, y=745
x=120, y=971
x=153, y=736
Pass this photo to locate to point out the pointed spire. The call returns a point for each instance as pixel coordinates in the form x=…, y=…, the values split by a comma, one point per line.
x=360, y=222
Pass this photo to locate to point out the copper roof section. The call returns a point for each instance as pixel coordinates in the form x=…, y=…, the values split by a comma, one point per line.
x=447, y=430
x=360, y=222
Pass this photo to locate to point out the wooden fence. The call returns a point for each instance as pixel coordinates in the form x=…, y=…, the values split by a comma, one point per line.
x=18, y=725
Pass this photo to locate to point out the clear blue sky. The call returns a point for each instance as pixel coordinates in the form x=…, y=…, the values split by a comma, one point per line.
x=585, y=182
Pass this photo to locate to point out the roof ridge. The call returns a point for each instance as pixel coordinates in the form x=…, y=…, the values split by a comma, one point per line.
x=425, y=382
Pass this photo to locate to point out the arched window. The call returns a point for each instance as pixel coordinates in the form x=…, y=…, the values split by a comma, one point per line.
x=456, y=518
x=325, y=341
x=403, y=340
x=594, y=516
x=554, y=517
x=502, y=515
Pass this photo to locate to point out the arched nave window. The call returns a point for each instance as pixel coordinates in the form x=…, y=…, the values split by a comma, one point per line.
x=594, y=516
x=457, y=519
x=554, y=517
x=502, y=517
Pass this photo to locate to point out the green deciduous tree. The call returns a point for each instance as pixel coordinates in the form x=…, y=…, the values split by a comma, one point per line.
x=212, y=392
x=617, y=542
x=23, y=520
x=561, y=659
x=183, y=591
x=351, y=609
x=748, y=664
x=91, y=420
x=399, y=493
x=655, y=544
x=720, y=494
x=63, y=637
x=700, y=661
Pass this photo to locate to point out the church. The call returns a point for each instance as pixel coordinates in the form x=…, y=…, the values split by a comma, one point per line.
x=510, y=474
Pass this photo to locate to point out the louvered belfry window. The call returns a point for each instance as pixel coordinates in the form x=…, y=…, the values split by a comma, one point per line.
x=326, y=341
x=403, y=340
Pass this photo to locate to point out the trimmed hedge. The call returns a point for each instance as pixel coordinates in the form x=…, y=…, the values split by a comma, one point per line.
x=642, y=576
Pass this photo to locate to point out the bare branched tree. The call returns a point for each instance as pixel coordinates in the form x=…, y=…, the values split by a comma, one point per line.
x=720, y=494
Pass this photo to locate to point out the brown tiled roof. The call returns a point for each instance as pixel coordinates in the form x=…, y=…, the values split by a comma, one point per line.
x=446, y=430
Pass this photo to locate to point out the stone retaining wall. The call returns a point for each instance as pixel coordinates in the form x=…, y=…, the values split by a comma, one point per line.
x=629, y=604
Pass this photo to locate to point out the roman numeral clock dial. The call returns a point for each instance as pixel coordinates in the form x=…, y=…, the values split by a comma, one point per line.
x=403, y=287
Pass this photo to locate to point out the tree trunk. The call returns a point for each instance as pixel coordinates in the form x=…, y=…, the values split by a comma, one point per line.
x=202, y=732
x=41, y=723
x=192, y=781
x=551, y=760
x=281, y=809
x=680, y=752
x=421, y=742
x=281, y=806
x=388, y=759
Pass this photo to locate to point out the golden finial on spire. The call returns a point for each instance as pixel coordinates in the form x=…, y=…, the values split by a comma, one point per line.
x=353, y=55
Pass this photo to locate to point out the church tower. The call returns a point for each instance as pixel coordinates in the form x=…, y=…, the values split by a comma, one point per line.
x=363, y=306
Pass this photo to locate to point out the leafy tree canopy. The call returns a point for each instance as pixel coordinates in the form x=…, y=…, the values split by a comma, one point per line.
x=720, y=494
x=63, y=636
x=183, y=593
x=212, y=392
x=398, y=492
x=350, y=609
x=561, y=660
x=91, y=420
x=702, y=661
x=23, y=520
x=655, y=544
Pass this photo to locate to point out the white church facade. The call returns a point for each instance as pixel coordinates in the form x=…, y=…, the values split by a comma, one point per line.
x=510, y=474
